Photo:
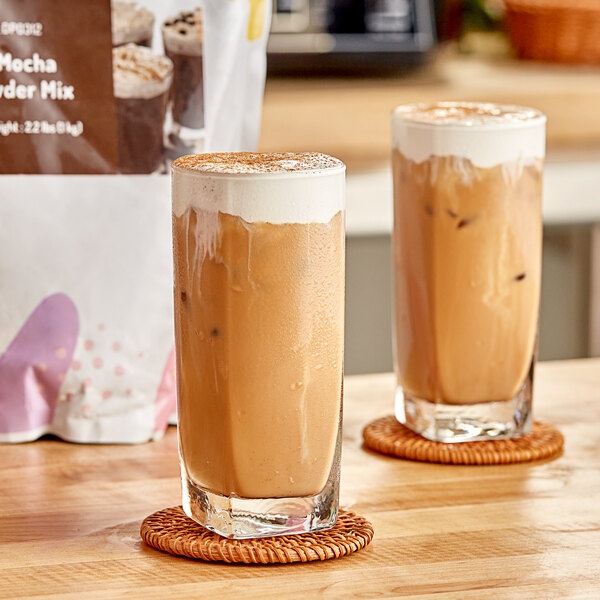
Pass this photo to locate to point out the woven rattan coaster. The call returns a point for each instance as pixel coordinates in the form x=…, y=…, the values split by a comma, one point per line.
x=171, y=530
x=387, y=436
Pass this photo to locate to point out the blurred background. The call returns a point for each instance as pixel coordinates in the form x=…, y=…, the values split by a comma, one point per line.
x=338, y=67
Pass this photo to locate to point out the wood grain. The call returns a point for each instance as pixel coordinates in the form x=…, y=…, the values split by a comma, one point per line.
x=70, y=517
x=350, y=118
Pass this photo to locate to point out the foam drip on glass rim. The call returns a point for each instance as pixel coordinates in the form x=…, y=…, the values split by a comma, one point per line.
x=298, y=188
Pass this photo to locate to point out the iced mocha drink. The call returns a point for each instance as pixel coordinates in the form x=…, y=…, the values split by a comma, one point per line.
x=141, y=81
x=182, y=39
x=259, y=318
x=467, y=250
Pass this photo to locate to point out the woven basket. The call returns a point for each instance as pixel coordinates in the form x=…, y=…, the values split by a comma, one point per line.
x=564, y=31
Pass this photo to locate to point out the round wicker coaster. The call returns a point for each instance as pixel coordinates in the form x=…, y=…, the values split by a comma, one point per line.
x=387, y=436
x=171, y=530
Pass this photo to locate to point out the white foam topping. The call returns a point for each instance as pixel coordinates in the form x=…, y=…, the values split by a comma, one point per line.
x=183, y=34
x=130, y=23
x=139, y=73
x=486, y=134
x=272, y=188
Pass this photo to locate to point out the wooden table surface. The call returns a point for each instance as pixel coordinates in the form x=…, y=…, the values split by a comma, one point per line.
x=70, y=517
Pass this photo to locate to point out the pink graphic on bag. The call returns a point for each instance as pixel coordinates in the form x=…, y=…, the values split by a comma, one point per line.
x=166, y=396
x=34, y=365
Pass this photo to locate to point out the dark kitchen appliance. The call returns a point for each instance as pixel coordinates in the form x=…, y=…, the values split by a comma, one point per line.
x=351, y=36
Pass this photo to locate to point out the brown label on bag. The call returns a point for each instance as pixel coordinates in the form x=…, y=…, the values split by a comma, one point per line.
x=57, y=111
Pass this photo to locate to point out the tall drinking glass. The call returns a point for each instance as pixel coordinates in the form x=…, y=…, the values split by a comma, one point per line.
x=259, y=329
x=467, y=255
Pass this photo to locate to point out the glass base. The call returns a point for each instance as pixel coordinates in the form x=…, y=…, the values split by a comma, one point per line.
x=466, y=422
x=243, y=518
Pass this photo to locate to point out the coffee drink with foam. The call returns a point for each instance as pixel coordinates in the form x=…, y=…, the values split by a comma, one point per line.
x=182, y=39
x=467, y=249
x=141, y=81
x=259, y=318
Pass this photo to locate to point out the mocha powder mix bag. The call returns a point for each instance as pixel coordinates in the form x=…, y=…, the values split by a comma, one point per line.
x=96, y=99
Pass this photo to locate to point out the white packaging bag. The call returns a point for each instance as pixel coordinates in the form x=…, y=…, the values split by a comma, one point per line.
x=86, y=316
